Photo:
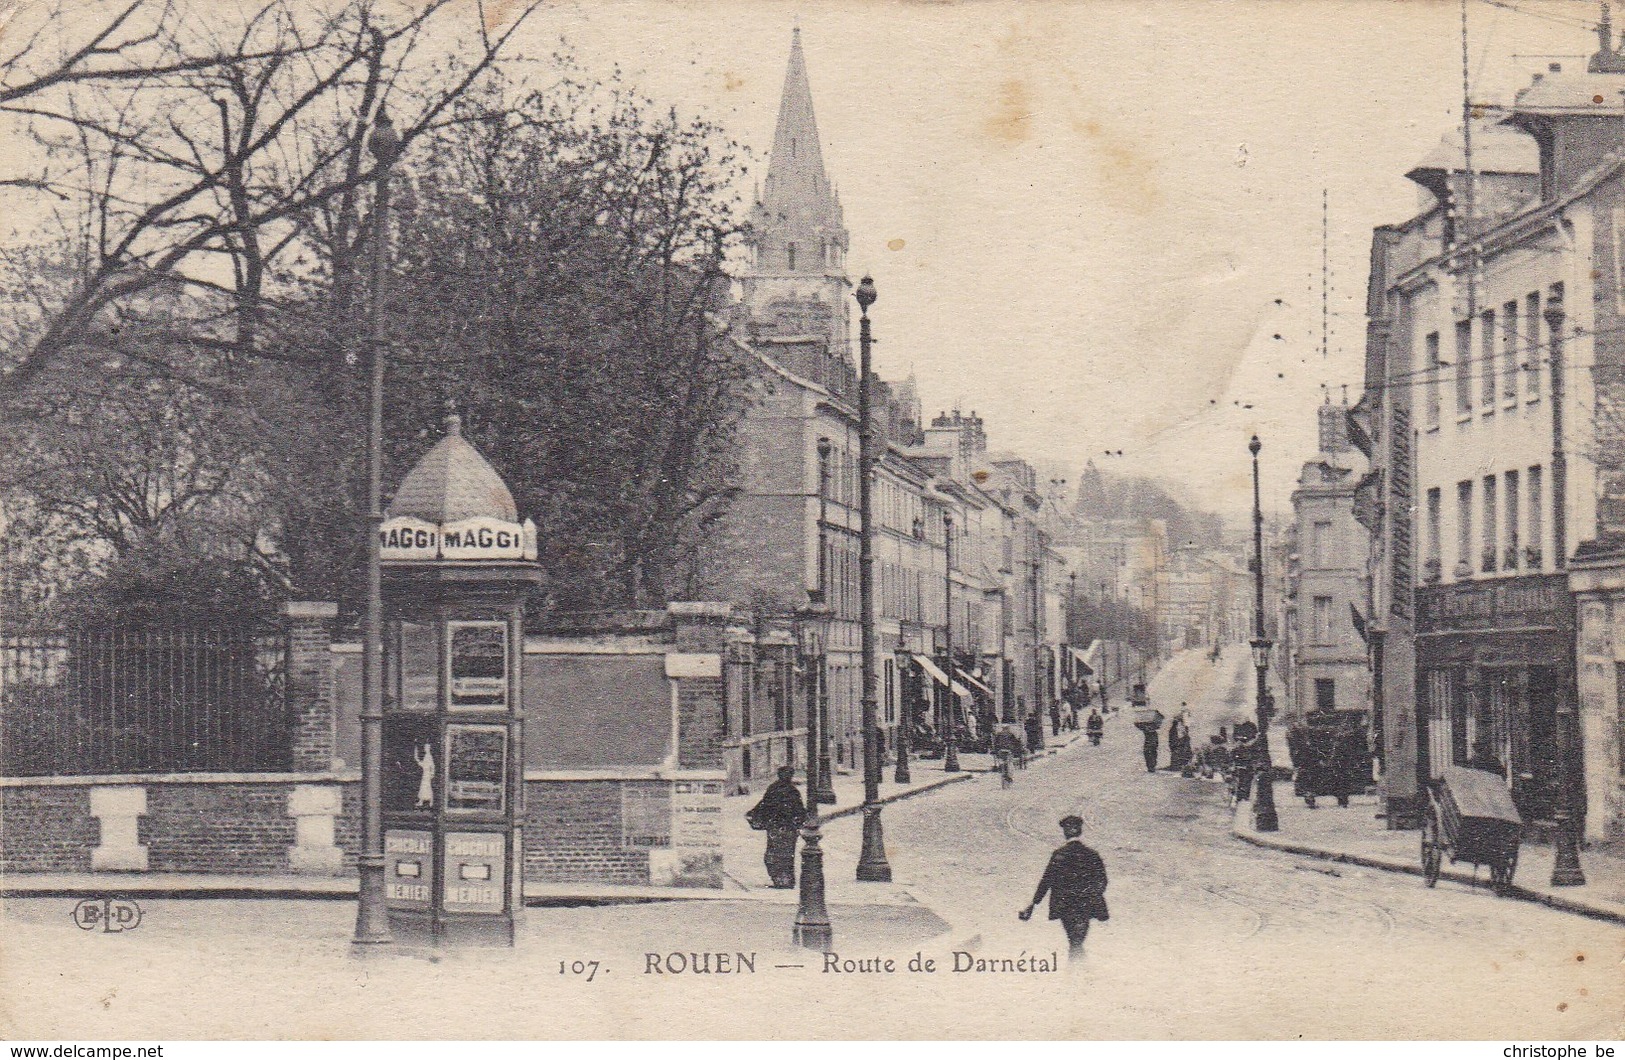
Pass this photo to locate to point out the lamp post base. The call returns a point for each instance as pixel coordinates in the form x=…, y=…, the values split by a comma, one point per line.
x=812, y=930
x=950, y=759
x=1264, y=815
x=372, y=914
x=1566, y=871
x=825, y=796
x=872, y=864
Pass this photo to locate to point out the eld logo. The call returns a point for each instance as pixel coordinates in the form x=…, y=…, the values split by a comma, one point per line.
x=109, y=914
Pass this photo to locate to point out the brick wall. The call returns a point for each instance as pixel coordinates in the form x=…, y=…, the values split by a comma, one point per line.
x=229, y=828
x=310, y=692
x=46, y=829
x=573, y=834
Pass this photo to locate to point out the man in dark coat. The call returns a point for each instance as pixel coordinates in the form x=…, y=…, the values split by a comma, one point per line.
x=1075, y=881
x=780, y=814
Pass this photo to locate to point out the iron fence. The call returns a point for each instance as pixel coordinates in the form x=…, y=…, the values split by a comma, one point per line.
x=97, y=701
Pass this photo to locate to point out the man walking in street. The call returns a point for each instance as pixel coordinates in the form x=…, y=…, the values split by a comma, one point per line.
x=1075, y=881
x=779, y=814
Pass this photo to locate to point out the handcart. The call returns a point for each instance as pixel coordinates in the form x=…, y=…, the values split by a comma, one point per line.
x=1471, y=817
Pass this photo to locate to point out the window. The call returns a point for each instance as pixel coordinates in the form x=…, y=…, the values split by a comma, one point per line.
x=1432, y=559
x=1512, y=558
x=1325, y=693
x=1487, y=555
x=1464, y=529
x=1533, y=558
x=1533, y=353
x=1464, y=367
x=790, y=256
x=1320, y=544
x=1510, y=338
x=1434, y=367
x=1486, y=346
x=1323, y=620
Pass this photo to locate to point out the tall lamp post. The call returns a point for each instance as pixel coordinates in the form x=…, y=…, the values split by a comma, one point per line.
x=372, y=915
x=1566, y=870
x=1264, y=817
x=950, y=735
x=872, y=864
x=812, y=929
x=823, y=791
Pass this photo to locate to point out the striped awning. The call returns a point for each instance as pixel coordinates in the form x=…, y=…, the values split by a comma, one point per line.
x=1081, y=659
x=973, y=682
x=939, y=677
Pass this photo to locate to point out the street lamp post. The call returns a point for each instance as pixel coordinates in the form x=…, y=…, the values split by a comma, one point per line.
x=812, y=929
x=823, y=791
x=901, y=775
x=1264, y=817
x=872, y=864
x=1566, y=870
x=950, y=734
x=372, y=915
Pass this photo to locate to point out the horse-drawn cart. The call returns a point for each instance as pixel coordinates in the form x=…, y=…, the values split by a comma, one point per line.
x=1472, y=818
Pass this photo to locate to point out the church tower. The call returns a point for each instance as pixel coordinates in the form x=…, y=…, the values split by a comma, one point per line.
x=796, y=293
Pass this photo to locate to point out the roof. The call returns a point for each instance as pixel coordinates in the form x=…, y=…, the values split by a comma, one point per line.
x=1496, y=149
x=453, y=482
x=1571, y=95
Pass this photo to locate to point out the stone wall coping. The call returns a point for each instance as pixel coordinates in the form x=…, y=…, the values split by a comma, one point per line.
x=699, y=609
x=310, y=609
x=626, y=774
x=571, y=646
x=150, y=779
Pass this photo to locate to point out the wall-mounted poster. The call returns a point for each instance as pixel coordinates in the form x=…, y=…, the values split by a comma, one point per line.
x=410, y=772
x=477, y=665
x=476, y=768
x=411, y=670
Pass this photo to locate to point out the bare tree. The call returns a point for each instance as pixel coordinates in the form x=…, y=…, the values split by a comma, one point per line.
x=178, y=148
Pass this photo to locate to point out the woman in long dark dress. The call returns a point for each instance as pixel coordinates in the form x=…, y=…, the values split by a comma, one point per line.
x=780, y=814
x=1179, y=741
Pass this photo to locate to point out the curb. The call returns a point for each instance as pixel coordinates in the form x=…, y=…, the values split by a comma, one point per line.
x=900, y=796
x=1522, y=893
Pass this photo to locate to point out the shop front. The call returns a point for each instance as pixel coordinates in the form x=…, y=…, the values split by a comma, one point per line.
x=1494, y=660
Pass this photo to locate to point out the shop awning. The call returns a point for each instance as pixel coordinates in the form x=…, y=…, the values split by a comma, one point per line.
x=1081, y=659
x=973, y=682
x=939, y=677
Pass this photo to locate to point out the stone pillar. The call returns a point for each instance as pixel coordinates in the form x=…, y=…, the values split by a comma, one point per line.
x=310, y=685
x=314, y=809
x=695, y=668
x=119, y=809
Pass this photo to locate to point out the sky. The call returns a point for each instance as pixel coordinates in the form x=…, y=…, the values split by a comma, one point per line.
x=1090, y=221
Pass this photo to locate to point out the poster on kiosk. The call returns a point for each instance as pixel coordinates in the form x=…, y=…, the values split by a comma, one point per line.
x=450, y=785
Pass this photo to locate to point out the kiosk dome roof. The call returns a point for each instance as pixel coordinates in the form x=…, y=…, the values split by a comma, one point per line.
x=453, y=482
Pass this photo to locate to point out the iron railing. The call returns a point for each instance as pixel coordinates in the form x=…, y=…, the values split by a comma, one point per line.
x=117, y=700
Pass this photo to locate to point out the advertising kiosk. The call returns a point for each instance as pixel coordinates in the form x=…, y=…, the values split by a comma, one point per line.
x=457, y=565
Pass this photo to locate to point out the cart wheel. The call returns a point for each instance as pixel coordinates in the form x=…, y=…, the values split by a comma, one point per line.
x=1501, y=875
x=1432, y=849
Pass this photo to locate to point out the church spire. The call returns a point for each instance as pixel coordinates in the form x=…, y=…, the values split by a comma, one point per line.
x=799, y=226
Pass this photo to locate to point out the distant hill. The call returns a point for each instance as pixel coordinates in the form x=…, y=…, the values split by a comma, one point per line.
x=1101, y=495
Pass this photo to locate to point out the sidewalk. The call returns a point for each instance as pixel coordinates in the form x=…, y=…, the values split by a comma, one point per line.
x=1355, y=836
